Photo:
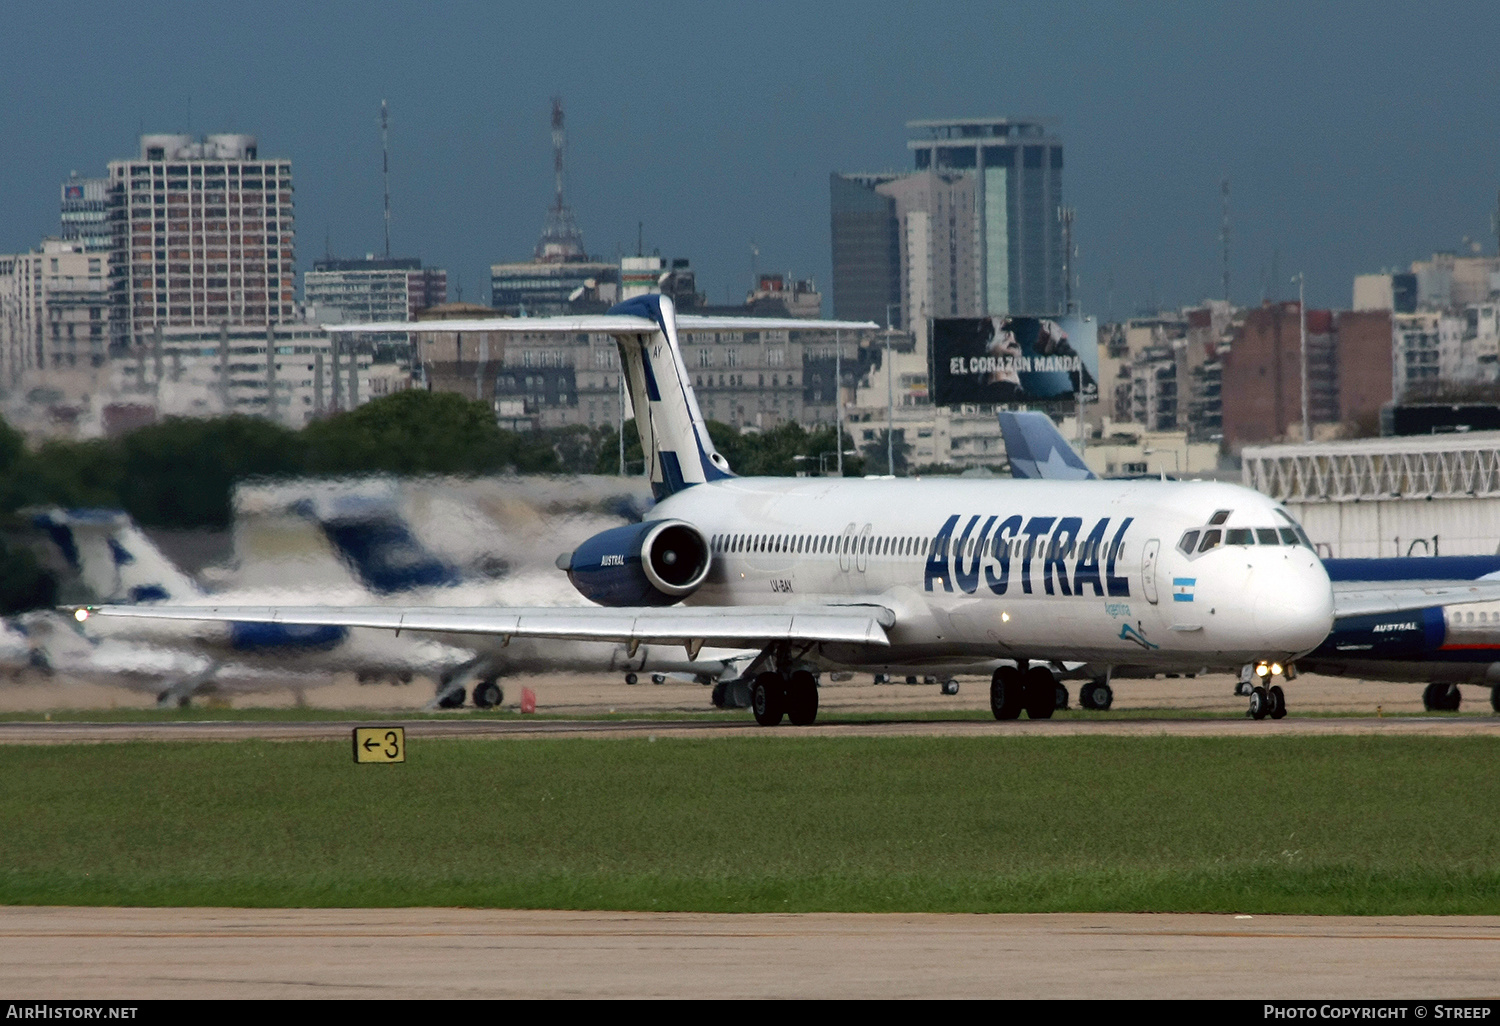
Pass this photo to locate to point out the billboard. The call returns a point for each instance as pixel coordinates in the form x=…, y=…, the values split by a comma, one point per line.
x=989, y=360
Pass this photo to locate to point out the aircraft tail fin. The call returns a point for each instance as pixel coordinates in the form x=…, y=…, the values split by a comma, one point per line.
x=378, y=544
x=1036, y=449
x=116, y=560
x=674, y=437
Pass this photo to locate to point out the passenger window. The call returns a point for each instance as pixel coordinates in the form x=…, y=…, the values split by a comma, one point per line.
x=1266, y=535
x=1288, y=536
x=1188, y=541
x=1239, y=536
x=1210, y=539
x=1218, y=518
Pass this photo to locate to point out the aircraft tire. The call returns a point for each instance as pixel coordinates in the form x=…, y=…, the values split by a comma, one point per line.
x=1278, y=702
x=950, y=686
x=716, y=697
x=1452, y=699
x=658, y=678
x=802, y=698
x=768, y=699
x=1060, y=697
x=488, y=694
x=1434, y=696
x=452, y=700
x=1096, y=695
x=1495, y=699
x=1260, y=702
x=632, y=679
x=1005, y=693
x=1040, y=690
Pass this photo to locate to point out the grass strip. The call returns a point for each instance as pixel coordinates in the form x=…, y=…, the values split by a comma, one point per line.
x=1348, y=825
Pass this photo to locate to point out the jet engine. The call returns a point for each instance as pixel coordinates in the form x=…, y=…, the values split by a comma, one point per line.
x=655, y=563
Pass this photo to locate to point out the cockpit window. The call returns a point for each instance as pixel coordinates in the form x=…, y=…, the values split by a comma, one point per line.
x=1288, y=536
x=1304, y=539
x=1267, y=536
x=1239, y=536
x=1210, y=539
x=1218, y=518
x=1188, y=541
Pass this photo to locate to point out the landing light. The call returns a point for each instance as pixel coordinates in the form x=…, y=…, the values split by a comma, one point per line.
x=1276, y=669
x=1005, y=618
x=80, y=615
x=1262, y=670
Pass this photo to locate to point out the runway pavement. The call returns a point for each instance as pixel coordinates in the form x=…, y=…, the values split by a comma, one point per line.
x=140, y=953
x=32, y=732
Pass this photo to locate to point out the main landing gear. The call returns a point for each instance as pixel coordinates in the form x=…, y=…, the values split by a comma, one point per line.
x=1034, y=690
x=793, y=695
x=1446, y=698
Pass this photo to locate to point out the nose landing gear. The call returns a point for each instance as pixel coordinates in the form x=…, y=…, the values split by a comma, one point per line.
x=1266, y=699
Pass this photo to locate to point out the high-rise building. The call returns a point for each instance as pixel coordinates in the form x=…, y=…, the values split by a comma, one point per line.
x=54, y=309
x=84, y=218
x=973, y=231
x=374, y=288
x=203, y=235
x=1017, y=169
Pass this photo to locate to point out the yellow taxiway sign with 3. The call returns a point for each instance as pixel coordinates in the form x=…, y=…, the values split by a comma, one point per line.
x=380, y=744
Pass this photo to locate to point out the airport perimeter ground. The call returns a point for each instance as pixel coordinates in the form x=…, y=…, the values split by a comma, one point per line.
x=639, y=846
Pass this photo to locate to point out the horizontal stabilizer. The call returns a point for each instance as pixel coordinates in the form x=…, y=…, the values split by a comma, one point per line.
x=609, y=324
x=732, y=626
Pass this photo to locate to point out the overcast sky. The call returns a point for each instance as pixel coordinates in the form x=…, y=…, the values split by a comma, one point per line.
x=1356, y=137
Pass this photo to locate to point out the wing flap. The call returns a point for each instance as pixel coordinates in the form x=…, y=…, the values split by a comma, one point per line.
x=735, y=626
x=1372, y=598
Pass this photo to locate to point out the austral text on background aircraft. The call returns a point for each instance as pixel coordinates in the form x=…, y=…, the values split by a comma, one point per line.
x=831, y=573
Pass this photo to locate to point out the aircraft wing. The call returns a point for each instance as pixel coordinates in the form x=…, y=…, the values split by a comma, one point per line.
x=1371, y=598
x=690, y=626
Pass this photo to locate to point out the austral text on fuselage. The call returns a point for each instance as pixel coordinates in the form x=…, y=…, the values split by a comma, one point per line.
x=1066, y=561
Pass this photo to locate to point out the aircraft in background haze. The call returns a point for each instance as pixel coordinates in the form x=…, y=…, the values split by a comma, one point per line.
x=898, y=576
x=376, y=541
x=117, y=562
x=1441, y=645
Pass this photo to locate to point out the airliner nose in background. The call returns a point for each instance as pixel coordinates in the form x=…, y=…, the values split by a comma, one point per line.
x=897, y=576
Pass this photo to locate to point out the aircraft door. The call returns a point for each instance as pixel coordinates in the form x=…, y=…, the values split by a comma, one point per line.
x=1148, y=569
x=846, y=544
x=862, y=548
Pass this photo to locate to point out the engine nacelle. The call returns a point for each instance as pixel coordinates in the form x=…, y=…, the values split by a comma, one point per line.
x=655, y=563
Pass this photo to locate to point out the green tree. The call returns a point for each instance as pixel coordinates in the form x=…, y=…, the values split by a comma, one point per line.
x=875, y=453
x=608, y=460
x=415, y=432
x=23, y=583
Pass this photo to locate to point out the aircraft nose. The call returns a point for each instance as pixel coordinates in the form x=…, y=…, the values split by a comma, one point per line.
x=1293, y=602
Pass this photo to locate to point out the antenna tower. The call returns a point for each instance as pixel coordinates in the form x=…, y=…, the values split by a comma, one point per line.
x=561, y=241
x=1224, y=235
x=385, y=172
x=1065, y=218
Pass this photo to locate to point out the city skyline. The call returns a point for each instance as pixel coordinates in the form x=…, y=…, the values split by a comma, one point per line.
x=1351, y=144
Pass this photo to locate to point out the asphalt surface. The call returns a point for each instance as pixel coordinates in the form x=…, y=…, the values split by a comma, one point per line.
x=32, y=732
x=142, y=953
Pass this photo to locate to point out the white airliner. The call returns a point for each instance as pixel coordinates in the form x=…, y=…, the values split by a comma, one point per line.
x=899, y=576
